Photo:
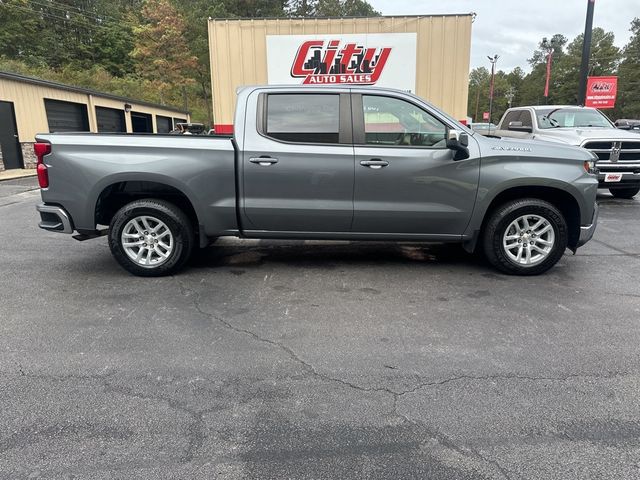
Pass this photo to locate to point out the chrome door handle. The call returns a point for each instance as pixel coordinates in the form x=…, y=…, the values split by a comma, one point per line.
x=263, y=161
x=374, y=163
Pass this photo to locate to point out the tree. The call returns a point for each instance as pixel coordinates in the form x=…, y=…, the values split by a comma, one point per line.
x=478, y=91
x=603, y=60
x=19, y=27
x=162, y=55
x=331, y=8
x=531, y=91
x=629, y=76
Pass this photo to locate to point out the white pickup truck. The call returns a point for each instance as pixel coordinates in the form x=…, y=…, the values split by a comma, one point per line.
x=618, y=150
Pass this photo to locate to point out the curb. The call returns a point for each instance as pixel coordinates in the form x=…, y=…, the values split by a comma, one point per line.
x=18, y=173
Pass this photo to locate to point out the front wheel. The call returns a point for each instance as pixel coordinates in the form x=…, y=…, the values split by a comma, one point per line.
x=151, y=238
x=525, y=237
x=627, y=192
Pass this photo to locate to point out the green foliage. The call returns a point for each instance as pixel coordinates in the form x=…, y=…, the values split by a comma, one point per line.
x=605, y=59
x=153, y=50
x=629, y=75
x=330, y=8
x=162, y=56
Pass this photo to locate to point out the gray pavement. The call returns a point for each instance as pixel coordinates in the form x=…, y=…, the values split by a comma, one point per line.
x=317, y=360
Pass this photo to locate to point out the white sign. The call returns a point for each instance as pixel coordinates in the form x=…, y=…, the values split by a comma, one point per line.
x=383, y=59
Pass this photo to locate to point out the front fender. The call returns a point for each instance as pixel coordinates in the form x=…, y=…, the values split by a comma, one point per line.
x=500, y=174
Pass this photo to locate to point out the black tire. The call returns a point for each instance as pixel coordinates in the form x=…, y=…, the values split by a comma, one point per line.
x=627, y=192
x=179, y=225
x=500, y=219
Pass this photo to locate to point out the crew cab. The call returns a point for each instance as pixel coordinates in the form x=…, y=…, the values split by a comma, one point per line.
x=307, y=162
x=618, y=150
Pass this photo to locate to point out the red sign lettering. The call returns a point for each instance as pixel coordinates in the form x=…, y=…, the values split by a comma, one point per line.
x=601, y=92
x=322, y=62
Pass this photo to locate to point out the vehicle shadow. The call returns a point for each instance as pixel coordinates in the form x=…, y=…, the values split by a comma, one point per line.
x=329, y=255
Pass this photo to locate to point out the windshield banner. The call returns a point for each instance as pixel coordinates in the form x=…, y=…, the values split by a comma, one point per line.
x=601, y=92
x=383, y=59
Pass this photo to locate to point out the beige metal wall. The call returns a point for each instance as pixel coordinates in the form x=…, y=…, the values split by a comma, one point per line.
x=31, y=117
x=238, y=54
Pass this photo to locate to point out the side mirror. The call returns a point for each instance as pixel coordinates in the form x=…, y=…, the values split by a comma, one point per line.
x=518, y=127
x=458, y=141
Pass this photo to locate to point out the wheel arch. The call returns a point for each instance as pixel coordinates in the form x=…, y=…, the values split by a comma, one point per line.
x=113, y=195
x=563, y=200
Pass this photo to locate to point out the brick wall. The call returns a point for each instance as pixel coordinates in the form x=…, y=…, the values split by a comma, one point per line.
x=28, y=155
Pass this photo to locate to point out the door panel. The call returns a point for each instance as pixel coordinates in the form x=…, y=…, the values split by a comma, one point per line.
x=304, y=191
x=293, y=186
x=9, y=145
x=406, y=180
x=420, y=191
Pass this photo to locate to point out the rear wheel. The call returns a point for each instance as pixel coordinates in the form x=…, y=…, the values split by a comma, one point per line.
x=151, y=238
x=525, y=237
x=628, y=192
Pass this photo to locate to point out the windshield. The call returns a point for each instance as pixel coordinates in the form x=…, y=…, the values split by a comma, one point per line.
x=571, y=118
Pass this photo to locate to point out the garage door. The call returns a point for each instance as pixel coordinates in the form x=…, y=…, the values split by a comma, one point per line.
x=66, y=116
x=164, y=124
x=110, y=120
x=141, y=122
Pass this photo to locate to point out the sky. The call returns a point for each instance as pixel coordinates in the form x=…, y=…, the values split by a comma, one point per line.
x=513, y=28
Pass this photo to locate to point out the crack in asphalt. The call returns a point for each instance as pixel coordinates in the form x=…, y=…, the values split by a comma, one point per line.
x=311, y=369
x=448, y=443
x=612, y=247
x=195, y=432
x=442, y=439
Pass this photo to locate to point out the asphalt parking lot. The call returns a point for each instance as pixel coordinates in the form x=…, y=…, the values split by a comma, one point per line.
x=317, y=360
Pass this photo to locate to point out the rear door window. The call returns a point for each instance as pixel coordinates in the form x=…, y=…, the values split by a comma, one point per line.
x=303, y=118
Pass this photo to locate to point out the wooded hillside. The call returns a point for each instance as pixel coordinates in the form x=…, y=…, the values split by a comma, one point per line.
x=154, y=50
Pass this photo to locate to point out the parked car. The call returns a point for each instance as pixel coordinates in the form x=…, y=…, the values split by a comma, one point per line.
x=359, y=163
x=189, y=129
x=628, y=124
x=618, y=151
x=484, y=128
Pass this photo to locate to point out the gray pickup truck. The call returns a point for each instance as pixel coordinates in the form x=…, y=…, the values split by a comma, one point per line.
x=618, y=150
x=320, y=163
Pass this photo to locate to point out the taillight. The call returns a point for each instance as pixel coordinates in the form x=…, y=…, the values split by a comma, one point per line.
x=42, y=149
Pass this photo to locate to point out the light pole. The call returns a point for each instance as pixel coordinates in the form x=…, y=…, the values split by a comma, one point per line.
x=493, y=61
x=586, y=48
x=549, y=47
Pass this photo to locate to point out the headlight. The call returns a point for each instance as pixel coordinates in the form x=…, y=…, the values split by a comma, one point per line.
x=590, y=166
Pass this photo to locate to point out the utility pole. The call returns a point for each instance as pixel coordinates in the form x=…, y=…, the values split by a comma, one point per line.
x=586, y=49
x=549, y=47
x=475, y=117
x=493, y=61
x=510, y=95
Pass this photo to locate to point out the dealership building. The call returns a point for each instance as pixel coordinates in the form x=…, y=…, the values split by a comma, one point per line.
x=426, y=55
x=29, y=106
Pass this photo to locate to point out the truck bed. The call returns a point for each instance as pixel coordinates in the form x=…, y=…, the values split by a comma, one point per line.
x=82, y=166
